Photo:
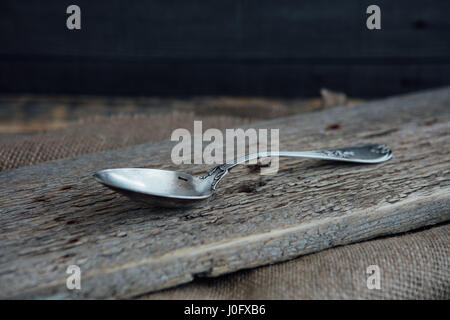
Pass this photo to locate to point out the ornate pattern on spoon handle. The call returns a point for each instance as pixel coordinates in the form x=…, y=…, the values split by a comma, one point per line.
x=372, y=153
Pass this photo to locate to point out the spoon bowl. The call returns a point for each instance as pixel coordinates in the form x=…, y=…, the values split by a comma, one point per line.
x=155, y=182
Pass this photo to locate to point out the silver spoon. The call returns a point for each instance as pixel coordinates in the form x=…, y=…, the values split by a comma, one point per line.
x=173, y=188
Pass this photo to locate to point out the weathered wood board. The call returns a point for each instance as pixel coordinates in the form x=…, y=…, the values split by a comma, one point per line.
x=54, y=215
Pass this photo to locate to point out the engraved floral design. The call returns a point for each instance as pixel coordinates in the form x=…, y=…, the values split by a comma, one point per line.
x=380, y=149
x=338, y=153
x=218, y=172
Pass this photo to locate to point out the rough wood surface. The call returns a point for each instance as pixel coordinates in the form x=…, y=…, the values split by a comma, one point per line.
x=21, y=114
x=54, y=215
x=36, y=129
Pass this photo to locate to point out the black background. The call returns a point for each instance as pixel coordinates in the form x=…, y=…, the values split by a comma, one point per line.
x=223, y=47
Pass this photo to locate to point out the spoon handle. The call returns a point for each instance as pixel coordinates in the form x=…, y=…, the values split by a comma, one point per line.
x=370, y=154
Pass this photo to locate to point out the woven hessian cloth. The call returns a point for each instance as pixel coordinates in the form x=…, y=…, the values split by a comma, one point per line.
x=100, y=134
x=413, y=265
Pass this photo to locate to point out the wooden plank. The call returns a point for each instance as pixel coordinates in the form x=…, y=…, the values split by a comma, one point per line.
x=100, y=116
x=54, y=215
x=37, y=113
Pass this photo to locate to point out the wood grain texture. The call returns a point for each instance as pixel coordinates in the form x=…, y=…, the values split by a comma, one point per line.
x=54, y=215
x=37, y=113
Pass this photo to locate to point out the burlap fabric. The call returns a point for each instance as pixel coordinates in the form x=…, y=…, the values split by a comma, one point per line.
x=89, y=127
x=413, y=265
x=100, y=134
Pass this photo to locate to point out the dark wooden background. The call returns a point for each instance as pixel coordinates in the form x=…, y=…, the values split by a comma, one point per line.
x=215, y=47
